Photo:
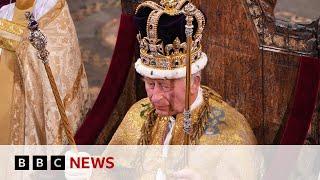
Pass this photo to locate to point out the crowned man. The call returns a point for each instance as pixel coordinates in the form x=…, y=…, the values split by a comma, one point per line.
x=28, y=110
x=178, y=109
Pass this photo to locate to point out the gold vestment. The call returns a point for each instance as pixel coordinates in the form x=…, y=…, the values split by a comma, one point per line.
x=220, y=124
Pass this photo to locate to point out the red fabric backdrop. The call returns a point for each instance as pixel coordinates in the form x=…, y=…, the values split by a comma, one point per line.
x=306, y=92
x=113, y=84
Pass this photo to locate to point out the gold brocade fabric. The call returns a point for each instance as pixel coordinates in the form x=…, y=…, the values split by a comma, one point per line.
x=11, y=31
x=224, y=125
x=7, y=63
x=35, y=118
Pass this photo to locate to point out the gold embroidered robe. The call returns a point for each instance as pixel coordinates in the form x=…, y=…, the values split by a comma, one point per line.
x=222, y=125
x=34, y=116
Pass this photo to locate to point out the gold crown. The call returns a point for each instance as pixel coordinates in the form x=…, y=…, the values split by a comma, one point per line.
x=153, y=53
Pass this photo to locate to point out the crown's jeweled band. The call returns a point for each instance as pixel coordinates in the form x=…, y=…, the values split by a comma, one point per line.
x=168, y=62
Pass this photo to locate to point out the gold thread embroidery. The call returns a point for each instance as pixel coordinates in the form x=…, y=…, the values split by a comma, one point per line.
x=8, y=44
x=200, y=117
x=12, y=27
x=52, y=14
x=69, y=98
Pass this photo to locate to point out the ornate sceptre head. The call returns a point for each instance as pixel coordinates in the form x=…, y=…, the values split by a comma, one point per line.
x=169, y=36
x=37, y=38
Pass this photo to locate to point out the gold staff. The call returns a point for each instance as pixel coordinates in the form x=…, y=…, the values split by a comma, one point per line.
x=39, y=42
x=187, y=113
x=187, y=126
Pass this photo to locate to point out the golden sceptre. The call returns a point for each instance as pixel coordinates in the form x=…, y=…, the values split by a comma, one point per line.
x=187, y=126
x=187, y=113
x=39, y=42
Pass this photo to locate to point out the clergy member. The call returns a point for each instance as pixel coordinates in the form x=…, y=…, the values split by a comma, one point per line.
x=28, y=110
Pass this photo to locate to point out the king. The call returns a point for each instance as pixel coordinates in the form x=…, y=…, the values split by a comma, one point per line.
x=178, y=109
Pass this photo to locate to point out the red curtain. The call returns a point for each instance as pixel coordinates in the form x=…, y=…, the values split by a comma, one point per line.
x=113, y=84
x=304, y=103
x=300, y=117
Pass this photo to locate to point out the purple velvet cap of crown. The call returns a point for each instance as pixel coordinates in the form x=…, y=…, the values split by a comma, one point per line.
x=169, y=27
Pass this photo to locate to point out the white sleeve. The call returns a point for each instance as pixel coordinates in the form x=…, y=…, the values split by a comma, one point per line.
x=42, y=7
x=6, y=12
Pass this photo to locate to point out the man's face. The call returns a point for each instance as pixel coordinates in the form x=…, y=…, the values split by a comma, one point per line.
x=168, y=96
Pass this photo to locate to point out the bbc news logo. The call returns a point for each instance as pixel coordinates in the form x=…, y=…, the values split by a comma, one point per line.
x=59, y=162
